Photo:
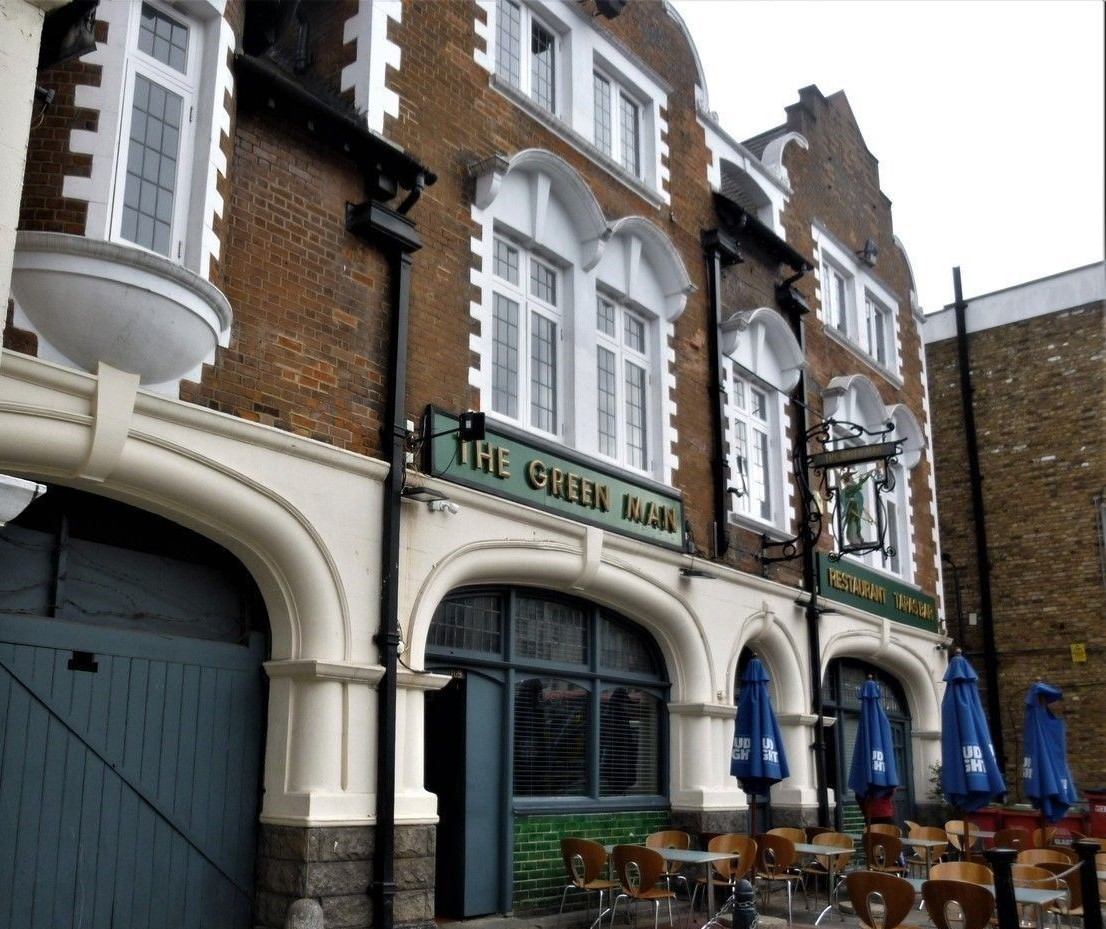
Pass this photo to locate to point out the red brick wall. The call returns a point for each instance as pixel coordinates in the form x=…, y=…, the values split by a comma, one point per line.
x=1040, y=404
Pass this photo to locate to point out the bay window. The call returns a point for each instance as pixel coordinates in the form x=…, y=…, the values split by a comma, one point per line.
x=622, y=381
x=152, y=173
x=526, y=337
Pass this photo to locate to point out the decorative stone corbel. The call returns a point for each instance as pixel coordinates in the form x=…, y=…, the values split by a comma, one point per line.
x=111, y=422
x=489, y=174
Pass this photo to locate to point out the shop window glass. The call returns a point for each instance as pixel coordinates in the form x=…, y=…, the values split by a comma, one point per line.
x=628, y=740
x=551, y=730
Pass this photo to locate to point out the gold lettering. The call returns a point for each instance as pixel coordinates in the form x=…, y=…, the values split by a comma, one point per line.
x=632, y=509
x=587, y=493
x=669, y=519
x=651, y=516
x=483, y=456
x=535, y=474
x=464, y=451
x=502, y=462
x=603, y=497
x=572, y=488
x=556, y=482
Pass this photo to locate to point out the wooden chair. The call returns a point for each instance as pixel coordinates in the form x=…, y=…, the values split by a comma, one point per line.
x=1016, y=839
x=776, y=866
x=918, y=857
x=1068, y=875
x=968, y=872
x=1045, y=855
x=1028, y=875
x=956, y=829
x=728, y=873
x=639, y=870
x=585, y=862
x=911, y=826
x=883, y=853
x=886, y=829
x=942, y=898
x=671, y=838
x=831, y=867
x=1042, y=838
x=812, y=832
x=894, y=894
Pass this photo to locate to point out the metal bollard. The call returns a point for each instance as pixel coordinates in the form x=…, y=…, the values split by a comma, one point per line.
x=1092, y=914
x=1006, y=908
x=744, y=906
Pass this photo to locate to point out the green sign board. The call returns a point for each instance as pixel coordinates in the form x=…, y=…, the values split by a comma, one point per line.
x=849, y=583
x=510, y=464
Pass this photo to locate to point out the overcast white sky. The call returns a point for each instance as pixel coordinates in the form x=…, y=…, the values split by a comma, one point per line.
x=986, y=117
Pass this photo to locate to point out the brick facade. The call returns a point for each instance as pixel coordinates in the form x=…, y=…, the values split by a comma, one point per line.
x=1039, y=394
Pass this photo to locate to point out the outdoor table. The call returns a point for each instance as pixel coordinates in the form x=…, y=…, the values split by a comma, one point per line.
x=810, y=848
x=1034, y=896
x=927, y=844
x=694, y=856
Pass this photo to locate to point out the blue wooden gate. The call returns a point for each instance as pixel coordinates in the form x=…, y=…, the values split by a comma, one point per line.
x=129, y=775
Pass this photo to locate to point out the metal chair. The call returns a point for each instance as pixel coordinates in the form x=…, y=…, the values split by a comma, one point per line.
x=776, y=866
x=956, y=830
x=584, y=862
x=975, y=904
x=885, y=829
x=969, y=872
x=639, y=870
x=728, y=873
x=918, y=857
x=883, y=853
x=1028, y=875
x=894, y=895
x=671, y=838
x=793, y=833
x=1043, y=838
x=1045, y=856
x=1069, y=875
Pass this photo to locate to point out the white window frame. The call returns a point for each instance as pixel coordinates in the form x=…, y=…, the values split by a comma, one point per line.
x=617, y=93
x=864, y=294
x=626, y=355
x=184, y=85
x=527, y=20
x=764, y=508
x=530, y=306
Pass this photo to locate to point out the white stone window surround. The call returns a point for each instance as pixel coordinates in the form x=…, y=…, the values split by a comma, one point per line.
x=860, y=282
x=854, y=398
x=624, y=354
x=374, y=54
x=582, y=50
x=538, y=200
x=198, y=195
x=759, y=346
x=768, y=180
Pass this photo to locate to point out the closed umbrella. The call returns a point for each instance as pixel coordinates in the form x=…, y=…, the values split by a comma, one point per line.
x=970, y=776
x=873, y=772
x=758, y=760
x=1045, y=775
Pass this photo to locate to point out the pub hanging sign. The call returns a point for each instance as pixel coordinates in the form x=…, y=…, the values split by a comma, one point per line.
x=512, y=464
x=851, y=584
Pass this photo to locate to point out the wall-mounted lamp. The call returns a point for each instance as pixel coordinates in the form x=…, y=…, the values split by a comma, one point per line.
x=427, y=495
x=16, y=495
x=869, y=253
x=693, y=571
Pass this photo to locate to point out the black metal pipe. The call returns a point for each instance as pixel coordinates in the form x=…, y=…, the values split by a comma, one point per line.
x=718, y=249
x=947, y=559
x=396, y=235
x=983, y=559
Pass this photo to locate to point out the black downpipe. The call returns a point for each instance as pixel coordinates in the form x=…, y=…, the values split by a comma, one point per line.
x=810, y=577
x=720, y=250
x=398, y=238
x=982, y=551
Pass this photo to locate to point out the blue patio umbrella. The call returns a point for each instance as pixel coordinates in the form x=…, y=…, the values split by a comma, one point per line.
x=758, y=760
x=1045, y=775
x=873, y=772
x=970, y=775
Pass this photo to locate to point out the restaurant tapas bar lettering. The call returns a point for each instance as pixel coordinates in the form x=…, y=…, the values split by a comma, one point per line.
x=558, y=480
x=855, y=585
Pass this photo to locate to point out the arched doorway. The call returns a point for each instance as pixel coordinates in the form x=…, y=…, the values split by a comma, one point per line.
x=556, y=717
x=132, y=713
x=840, y=696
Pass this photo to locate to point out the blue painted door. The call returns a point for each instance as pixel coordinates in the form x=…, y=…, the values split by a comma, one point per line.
x=129, y=772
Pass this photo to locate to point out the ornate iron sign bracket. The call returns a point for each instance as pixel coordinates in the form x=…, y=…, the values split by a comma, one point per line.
x=846, y=480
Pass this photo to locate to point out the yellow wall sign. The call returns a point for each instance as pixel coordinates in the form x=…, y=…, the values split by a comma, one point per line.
x=1078, y=652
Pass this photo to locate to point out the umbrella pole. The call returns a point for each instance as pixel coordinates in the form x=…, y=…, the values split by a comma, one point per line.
x=752, y=814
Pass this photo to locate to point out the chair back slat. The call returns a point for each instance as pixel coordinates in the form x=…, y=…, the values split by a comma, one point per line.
x=584, y=860
x=775, y=854
x=958, y=904
x=970, y=872
x=638, y=868
x=872, y=891
x=743, y=846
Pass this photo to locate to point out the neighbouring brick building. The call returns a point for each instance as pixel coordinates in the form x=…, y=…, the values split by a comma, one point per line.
x=278, y=628
x=1037, y=364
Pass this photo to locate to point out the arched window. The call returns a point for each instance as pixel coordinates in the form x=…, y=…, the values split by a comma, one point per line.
x=583, y=695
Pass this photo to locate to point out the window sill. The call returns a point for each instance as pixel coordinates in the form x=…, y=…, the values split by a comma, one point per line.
x=559, y=127
x=752, y=524
x=834, y=335
x=882, y=572
x=535, y=805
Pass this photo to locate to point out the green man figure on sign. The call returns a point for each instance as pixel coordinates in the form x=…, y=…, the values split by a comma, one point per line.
x=851, y=496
